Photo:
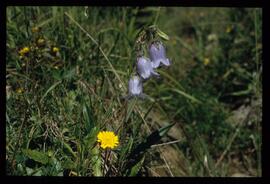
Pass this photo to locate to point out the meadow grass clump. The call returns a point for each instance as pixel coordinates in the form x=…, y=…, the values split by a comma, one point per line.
x=68, y=69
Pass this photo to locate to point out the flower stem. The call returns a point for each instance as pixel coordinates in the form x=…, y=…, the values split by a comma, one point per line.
x=104, y=163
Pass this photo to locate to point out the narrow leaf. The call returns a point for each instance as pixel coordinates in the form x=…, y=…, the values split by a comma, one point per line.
x=136, y=155
x=130, y=108
x=37, y=156
x=50, y=89
x=135, y=169
x=163, y=35
x=96, y=160
x=186, y=95
x=88, y=118
x=69, y=149
x=164, y=130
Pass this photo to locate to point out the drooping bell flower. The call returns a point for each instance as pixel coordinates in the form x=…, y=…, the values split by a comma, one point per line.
x=158, y=55
x=135, y=88
x=144, y=68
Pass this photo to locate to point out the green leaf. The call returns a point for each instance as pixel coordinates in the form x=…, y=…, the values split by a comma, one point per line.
x=162, y=131
x=69, y=74
x=136, y=168
x=29, y=171
x=125, y=149
x=130, y=108
x=87, y=114
x=90, y=139
x=163, y=35
x=186, y=95
x=68, y=148
x=50, y=89
x=149, y=141
x=96, y=162
x=68, y=164
x=38, y=173
x=137, y=153
x=37, y=156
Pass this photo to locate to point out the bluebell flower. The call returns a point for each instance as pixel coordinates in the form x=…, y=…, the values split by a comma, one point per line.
x=135, y=87
x=158, y=55
x=144, y=68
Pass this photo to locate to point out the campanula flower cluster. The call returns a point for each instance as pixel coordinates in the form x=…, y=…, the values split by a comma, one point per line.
x=145, y=68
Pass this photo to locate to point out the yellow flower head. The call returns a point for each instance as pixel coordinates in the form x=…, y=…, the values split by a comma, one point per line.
x=107, y=139
x=55, y=49
x=206, y=61
x=24, y=50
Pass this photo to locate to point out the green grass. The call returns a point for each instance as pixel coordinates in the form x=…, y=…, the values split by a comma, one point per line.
x=58, y=102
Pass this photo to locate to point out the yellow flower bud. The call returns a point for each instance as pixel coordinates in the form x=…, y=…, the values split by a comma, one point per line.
x=206, y=61
x=55, y=49
x=40, y=41
x=19, y=90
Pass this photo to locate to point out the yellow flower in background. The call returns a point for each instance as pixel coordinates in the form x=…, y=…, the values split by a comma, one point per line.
x=206, y=61
x=40, y=41
x=24, y=51
x=107, y=139
x=35, y=29
x=55, y=49
x=19, y=90
x=228, y=29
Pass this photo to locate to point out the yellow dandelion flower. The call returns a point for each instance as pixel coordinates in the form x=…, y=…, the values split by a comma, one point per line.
x=55, y=49
x=24, y=51
x=107, y=139
x=206, y=61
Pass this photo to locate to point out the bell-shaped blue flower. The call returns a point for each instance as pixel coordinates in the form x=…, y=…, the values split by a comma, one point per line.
x=144, y=68
x=158, y=55
x=135, y=87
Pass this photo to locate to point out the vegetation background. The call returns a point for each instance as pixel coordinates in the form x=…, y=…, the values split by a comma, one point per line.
x=68, y=87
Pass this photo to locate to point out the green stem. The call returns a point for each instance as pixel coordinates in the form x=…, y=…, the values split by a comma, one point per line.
x=157, y=15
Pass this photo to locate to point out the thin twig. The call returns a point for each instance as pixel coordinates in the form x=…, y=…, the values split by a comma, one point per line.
x=240, y=123
x=166, y=143
x=167, y=166
x=227, y=148
x=152, y=170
